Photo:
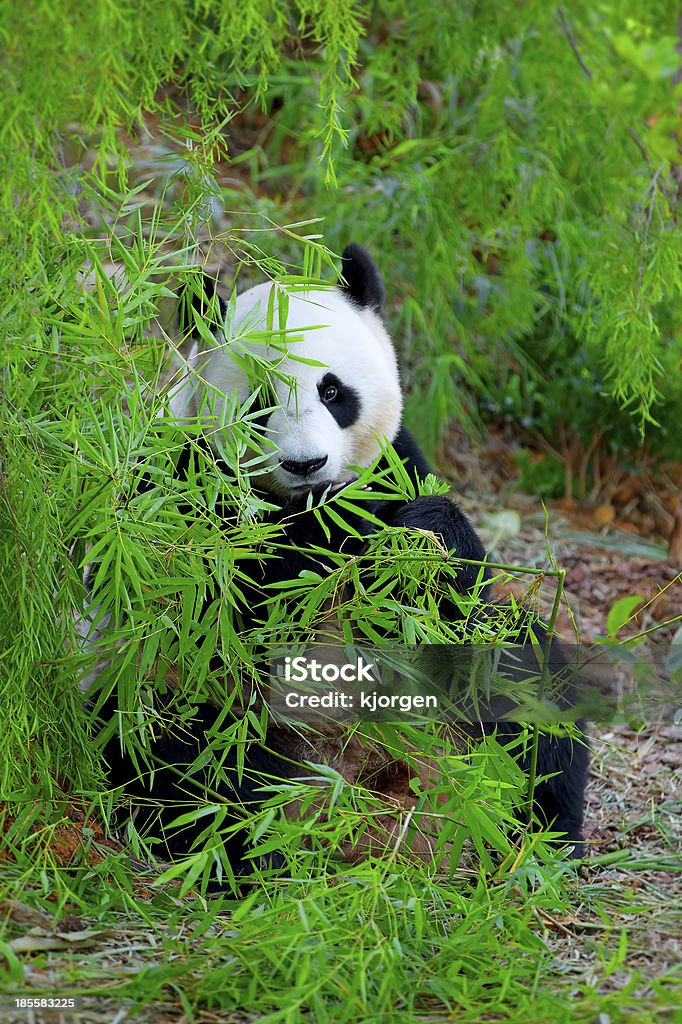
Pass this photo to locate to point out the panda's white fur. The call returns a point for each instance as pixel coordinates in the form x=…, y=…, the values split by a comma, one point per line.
x=323, y=332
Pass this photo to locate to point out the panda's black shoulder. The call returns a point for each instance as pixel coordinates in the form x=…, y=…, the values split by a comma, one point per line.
x=409, y=451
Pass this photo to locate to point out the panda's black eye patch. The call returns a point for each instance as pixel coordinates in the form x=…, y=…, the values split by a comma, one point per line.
x=342, y=401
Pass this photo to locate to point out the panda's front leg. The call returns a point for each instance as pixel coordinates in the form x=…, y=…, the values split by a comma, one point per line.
x=440, y=516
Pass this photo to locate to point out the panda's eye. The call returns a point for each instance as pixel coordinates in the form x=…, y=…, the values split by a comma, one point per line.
x=330, y=393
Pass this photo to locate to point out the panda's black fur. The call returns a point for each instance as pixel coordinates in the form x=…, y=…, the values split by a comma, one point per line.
x=559, y=800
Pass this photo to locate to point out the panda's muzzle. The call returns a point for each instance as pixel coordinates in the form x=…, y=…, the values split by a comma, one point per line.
x=303, y=469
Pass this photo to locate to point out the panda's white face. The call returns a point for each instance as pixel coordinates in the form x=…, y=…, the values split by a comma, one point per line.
x=337, y=413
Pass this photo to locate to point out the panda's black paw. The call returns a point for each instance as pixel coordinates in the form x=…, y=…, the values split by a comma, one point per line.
x=442, y=517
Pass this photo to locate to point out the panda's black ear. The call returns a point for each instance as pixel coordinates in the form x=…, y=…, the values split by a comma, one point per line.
x=360, y=278
x=201, y=295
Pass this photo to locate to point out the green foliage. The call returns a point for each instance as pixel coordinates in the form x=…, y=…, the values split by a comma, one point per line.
x=375, y=941
x=621, y=613
x=553, y=389
x=540, y=474
x=503, y=162
x=512, y=171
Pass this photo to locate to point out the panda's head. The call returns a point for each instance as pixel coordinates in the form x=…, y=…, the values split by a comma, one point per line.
x=345, y=399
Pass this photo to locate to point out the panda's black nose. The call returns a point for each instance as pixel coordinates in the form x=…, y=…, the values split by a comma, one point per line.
x=303, y=468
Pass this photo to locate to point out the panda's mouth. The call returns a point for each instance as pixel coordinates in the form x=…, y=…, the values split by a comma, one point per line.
x=295, y=487
x=318, y=487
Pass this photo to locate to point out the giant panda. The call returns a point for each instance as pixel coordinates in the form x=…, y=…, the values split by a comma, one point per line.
x=345, y=406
